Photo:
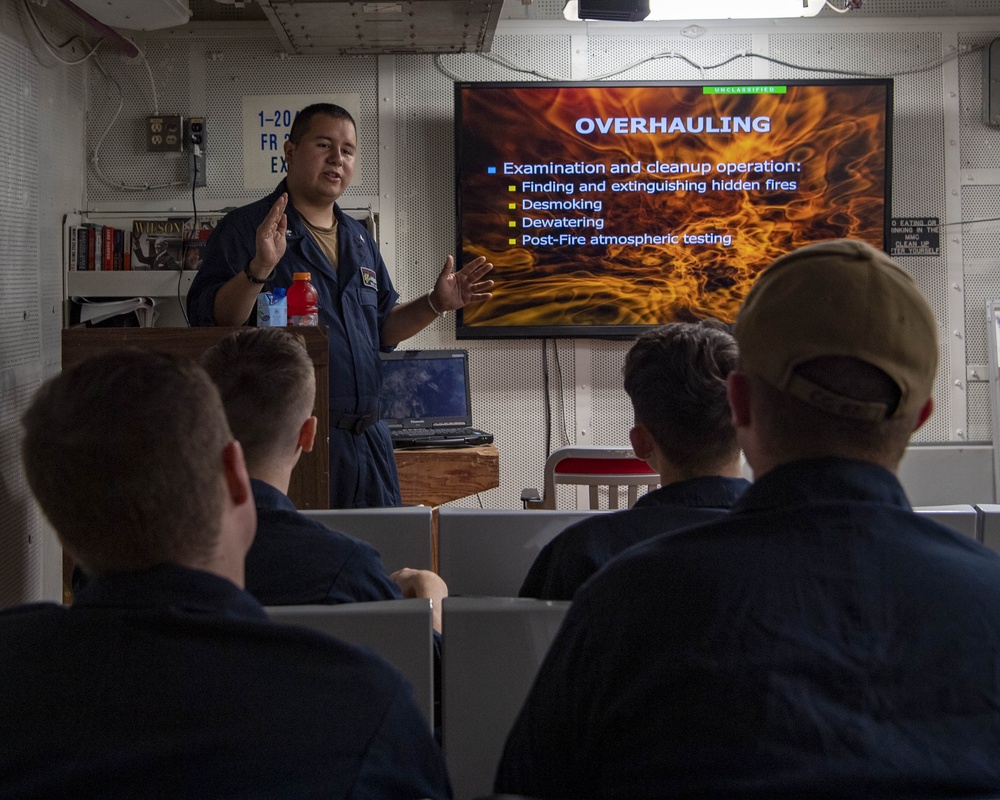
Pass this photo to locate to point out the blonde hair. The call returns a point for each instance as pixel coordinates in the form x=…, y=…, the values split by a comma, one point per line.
x=268, y=385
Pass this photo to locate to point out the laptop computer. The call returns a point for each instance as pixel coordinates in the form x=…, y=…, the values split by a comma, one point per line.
x=426, y=401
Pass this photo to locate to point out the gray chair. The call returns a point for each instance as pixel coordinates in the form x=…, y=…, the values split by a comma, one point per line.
x=990, y=514
x=967, y=469
x=487, y=553
x=402, y=536
x=398, y=630
x=961, y=518
x=490, y=653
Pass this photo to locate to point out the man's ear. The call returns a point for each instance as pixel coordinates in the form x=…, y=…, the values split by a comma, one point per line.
x=738, y=394
x=237, y=477
x=289, y=148
x=307, y=434
x=925, y=413
x=642, y=441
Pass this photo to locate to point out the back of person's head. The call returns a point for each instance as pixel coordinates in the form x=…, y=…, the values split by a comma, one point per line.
x=842, y=350
x=124, y=453
x=302, y=121
x=675, y=377
x=268, y=386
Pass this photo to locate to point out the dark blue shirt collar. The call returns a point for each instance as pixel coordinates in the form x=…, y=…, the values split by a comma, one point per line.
x=267, y=498
x=817, y=480
x=170, y=587
x=711, y=491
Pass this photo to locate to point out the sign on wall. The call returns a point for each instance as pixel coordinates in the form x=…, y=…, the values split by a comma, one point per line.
x=267, y=119
x=915, y=236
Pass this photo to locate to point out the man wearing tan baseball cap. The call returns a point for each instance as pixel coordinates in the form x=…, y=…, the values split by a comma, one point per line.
x=821, y=638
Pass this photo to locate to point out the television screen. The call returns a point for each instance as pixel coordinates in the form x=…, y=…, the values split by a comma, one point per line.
x=608, y=208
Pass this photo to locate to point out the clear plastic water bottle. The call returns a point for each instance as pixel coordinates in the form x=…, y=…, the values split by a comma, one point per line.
x=272, y=311
x=301, y=299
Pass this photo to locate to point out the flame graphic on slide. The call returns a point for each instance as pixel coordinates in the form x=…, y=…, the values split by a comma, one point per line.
x=835, y=134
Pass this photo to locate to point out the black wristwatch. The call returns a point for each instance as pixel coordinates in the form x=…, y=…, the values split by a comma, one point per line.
x=253, y=278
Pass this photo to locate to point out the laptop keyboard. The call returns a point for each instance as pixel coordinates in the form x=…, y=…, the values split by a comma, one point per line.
x=450, y=433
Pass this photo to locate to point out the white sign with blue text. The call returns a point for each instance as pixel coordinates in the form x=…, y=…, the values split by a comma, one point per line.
x=267, y=120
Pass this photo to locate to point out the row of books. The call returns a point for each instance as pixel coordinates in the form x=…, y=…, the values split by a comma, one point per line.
x=151, y=244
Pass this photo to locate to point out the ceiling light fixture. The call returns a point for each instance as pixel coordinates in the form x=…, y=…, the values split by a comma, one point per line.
x=719, y=9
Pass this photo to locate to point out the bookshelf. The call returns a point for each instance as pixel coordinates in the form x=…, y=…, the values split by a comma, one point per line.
x=167, y=287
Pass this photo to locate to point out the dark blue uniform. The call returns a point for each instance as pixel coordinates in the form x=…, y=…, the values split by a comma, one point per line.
x=173, y=683
x=819, y=639
x=583, y=548
x=354, y=301
x=295, y=560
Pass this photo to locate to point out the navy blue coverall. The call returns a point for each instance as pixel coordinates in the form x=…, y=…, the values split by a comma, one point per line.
x=354, y=301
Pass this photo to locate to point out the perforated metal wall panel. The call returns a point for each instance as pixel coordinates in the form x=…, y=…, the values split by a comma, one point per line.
x=20, y=344
x=33, y=164
x=979, y=233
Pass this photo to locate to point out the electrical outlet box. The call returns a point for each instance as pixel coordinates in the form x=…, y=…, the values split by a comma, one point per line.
x=164, y=134
x=194, y=137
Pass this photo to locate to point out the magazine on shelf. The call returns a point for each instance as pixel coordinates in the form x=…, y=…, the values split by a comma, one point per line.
x=166, y=244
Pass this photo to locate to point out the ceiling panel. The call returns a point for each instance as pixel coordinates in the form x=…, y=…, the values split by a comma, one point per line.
x=348, y=27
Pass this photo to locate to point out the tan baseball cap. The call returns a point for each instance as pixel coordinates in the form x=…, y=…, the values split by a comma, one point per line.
x=840, y=297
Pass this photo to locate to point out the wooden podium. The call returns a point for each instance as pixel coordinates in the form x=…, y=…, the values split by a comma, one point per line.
x=310, y=484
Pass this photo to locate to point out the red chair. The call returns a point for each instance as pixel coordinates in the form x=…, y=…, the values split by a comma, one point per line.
x=596, y=467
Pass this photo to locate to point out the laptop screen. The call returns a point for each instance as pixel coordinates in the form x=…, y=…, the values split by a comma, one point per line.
x=425, y=389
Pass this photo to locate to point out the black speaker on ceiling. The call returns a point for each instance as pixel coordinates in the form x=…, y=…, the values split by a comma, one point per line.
x=614, y=10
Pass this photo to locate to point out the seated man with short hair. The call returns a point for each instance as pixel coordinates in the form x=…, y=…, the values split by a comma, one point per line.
x=820, y=639
x=268, y=387
x=165, y=678
x=675, y=377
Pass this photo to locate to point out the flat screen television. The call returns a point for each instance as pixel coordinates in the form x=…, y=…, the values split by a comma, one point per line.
x=608, y=208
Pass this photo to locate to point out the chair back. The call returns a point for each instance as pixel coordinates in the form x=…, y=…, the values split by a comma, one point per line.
x=491, y=651
x=990, y=516
x=961, y=518
x=487, y=552
x=402, y=536
x=610, y=468
x=398, y=630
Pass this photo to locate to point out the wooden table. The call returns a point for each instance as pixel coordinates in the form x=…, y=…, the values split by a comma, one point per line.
x=434, y=477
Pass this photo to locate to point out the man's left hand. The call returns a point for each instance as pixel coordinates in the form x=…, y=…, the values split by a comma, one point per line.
x=454, y=290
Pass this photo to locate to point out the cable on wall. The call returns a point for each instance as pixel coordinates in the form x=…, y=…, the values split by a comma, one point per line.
x=95, y=159
x=703, y=68
x=548, y=400
x=186, y=240
x=114, y=38
x=547, y=388
x=55, y=49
